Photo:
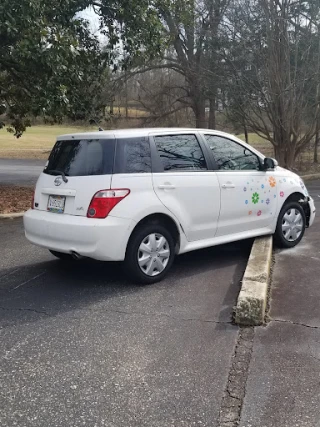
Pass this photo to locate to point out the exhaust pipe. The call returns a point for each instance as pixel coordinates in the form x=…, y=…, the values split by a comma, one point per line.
x=76, y=256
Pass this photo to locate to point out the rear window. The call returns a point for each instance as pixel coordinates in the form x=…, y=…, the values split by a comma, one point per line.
x=83, y=157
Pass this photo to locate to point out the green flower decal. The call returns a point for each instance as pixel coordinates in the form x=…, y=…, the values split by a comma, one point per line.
x=255, y=198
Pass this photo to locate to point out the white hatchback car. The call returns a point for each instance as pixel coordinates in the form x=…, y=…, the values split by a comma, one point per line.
x=144, y=195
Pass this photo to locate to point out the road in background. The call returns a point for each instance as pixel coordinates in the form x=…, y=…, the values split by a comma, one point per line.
x=20, y=171
x=283, y=388
x=82, y=346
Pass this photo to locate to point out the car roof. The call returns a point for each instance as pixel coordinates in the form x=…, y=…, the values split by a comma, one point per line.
x=127, y=133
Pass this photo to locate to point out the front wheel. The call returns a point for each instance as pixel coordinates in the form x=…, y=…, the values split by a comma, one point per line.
x=150, y=254
x=291, y=225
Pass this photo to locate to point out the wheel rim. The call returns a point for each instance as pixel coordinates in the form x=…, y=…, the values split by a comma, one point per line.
x=153, y=254
x=292, y=225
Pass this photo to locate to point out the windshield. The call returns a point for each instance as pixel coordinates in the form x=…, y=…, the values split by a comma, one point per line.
x=81, y=157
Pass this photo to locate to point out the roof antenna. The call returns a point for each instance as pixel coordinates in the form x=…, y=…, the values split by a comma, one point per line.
x=91, y=121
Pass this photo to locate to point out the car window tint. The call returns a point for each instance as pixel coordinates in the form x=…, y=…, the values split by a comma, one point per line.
x=230, y=155
x=83, y=157
x=133, y=155
x=180, y=152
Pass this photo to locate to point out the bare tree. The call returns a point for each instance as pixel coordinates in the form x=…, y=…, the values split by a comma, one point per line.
x=280, y=100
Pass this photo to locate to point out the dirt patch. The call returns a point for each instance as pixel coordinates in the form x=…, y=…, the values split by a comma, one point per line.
x=15, y=199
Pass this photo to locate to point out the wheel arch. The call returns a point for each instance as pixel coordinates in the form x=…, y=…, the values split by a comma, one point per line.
x=302, y=200
x=161, y=218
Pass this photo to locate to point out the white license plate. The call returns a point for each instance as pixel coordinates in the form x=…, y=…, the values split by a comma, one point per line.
x=56, y=204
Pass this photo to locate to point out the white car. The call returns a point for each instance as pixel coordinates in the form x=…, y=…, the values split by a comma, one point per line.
x=145, y=195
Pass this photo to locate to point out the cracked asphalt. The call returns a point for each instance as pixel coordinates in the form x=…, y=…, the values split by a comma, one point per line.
x=283, y=386
x=82, y=346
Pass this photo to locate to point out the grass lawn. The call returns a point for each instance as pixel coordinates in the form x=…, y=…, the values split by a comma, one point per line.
x=36, y=142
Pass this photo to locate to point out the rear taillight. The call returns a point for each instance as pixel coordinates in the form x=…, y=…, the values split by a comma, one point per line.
x=104, y=201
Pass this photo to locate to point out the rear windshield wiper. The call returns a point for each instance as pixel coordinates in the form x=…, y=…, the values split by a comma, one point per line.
x=56, y=172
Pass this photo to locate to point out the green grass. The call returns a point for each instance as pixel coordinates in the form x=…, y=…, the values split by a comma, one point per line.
x=36, y=141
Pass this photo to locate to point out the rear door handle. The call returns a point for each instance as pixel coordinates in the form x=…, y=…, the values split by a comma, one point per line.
x=166, y=187
x=228, y=185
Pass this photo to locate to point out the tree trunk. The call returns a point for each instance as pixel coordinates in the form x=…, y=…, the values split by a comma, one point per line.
x=212, y=113
x=199, y=109
x=246, y=133
x=316, y=142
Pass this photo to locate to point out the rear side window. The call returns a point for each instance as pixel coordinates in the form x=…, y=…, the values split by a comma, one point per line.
x=133, y=155
x=180, y=153
x=83, y=157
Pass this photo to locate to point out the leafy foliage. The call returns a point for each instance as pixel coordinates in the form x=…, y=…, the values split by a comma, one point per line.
x=47, y=57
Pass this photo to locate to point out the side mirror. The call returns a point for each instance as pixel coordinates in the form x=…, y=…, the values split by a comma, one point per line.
x=269, y=163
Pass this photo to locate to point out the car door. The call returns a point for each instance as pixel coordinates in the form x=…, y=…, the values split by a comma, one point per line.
x=186, y=184
x=247, y=193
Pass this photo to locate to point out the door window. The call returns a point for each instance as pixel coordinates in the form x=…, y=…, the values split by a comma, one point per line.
x=229, y=155
x=180, y=153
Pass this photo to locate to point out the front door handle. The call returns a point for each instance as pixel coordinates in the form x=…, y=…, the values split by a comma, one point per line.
x=166, y=186
x=228, y=185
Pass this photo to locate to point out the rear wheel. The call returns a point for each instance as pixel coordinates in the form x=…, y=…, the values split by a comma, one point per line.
x=62, y=256
x=150, y=254
x=291, y=225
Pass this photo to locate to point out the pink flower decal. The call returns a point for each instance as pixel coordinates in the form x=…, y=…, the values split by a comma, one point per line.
x=250, y=213
x=259, y=213
x=281, y=193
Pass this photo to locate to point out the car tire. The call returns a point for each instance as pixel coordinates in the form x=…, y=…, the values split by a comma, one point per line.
x=291, y=225
x=150, y=254
x=61, y=255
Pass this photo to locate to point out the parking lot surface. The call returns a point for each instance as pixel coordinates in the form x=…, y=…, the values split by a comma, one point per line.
x=20, y=171
x=82, y=346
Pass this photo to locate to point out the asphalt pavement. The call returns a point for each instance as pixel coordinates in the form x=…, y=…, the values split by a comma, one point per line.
x=82, y=346
x=283, y=387
x=20, y=171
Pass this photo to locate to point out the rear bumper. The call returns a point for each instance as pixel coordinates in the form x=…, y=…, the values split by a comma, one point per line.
x=312, y=211
x=101, y=239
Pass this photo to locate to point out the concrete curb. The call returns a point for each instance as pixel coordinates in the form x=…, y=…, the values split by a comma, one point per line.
x=12, y=215
x=252, y=300
x=310, y=177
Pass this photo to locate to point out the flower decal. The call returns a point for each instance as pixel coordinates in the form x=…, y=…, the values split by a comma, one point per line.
x=246, y=202
x=244, y=188
x=272, y=181
x=281, y=193
x=267, y=201
x=259, y=213
x=250, y=213
x=302, y=184
x=262, y=186
x=275, y=196
x=262, y=201
x=255, y=198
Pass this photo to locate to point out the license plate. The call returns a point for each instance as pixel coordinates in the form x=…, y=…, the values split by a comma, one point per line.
x=56, y=204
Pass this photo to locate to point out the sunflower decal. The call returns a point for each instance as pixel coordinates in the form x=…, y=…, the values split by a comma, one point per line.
x=272, y=181
x=255, y=198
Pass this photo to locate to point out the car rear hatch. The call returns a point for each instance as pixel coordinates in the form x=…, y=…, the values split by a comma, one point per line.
x=75, y=171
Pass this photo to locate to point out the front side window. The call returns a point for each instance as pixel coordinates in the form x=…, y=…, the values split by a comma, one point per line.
x=229, y=155
x=180, y=153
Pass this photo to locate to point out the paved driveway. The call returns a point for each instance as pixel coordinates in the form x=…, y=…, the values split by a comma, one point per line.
x=20, y=171
x=82, y=346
